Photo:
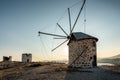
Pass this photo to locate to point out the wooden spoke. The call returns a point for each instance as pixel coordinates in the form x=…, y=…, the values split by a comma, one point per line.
x=60, y=45
x=62, y=29
x=78, y=16
x=50, y=34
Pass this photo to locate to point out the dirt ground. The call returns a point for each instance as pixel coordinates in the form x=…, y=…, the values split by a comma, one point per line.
x=57, y=72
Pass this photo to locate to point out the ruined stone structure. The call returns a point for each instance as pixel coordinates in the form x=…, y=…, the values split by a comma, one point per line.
x=82, y=50
x=5, y=58
x=26, y=57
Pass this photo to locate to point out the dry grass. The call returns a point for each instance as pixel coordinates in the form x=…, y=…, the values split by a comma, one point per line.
x=52, y=71
x=32, y=71
x=115, y=68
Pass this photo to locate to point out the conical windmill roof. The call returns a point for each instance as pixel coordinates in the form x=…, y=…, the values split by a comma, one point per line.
x=80, y=36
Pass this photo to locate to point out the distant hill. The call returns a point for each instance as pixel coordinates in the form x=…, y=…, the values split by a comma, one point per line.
x=116, y=56
x=113, y=60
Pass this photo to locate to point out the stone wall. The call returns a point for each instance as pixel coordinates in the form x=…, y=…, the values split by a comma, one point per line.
x=4, y=65
x=82, y=53
x=26, y=57
x=5, y=58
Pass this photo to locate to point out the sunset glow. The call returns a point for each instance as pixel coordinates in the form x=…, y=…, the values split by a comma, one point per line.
x=20, y=21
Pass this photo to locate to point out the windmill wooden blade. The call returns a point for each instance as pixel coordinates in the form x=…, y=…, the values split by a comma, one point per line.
x=69, y=18
x=62, y=29
x=78, y=16
x=50, y=34
x=60, y=38
x=60, y=45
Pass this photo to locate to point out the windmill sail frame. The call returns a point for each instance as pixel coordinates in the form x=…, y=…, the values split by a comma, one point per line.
x=68, y=37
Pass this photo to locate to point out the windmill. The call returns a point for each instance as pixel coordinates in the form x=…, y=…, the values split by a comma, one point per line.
x=77, y=50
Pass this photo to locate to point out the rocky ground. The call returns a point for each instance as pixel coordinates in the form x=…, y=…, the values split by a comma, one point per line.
x=53, y=71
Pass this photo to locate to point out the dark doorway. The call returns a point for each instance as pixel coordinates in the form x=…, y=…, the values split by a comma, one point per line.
x=28, y=60
x=94, y=63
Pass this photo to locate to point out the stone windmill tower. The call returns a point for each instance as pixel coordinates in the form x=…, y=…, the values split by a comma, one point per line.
x=26, y=57
x=82, y=47
x=82, y=50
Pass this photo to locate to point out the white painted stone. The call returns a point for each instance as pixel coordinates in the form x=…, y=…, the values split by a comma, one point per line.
x=26, y=57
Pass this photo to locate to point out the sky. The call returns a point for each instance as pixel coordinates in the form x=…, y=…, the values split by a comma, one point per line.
x=20, y=21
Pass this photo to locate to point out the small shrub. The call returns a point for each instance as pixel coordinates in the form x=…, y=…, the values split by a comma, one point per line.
x=35, y=65
x=58, y=69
